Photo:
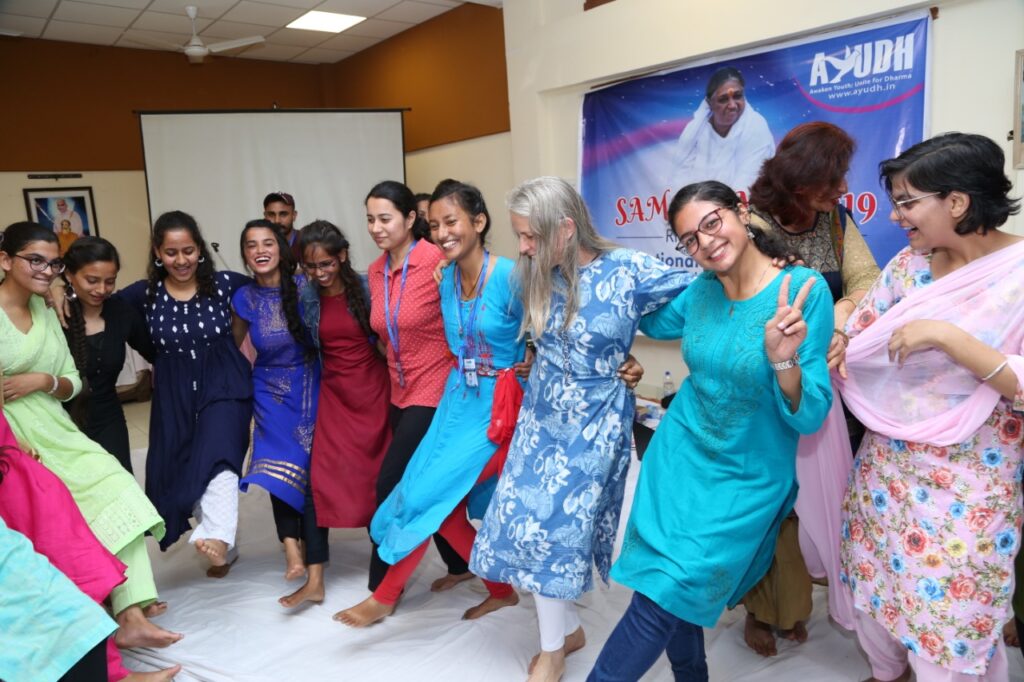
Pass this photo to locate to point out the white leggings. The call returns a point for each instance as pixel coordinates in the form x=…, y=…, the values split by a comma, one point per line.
x=216, y=511
x=557, y=618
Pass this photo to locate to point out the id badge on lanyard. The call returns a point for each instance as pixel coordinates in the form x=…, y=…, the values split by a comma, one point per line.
x=469, y=372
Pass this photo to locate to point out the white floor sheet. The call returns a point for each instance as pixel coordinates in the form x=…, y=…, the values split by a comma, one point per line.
x=235, y=629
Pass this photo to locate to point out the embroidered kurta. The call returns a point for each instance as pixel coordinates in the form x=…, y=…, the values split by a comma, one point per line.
x=286, y=383
x=456, y=448
x=202, y=396
x=719, y=475
x=556, y=507
x=929, y=533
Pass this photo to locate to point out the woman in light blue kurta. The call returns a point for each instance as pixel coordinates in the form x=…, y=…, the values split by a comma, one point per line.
x=719, y=475
x=456, y=448
x=556, y=507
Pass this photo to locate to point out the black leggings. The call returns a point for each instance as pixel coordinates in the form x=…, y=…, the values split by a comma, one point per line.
x=302, y=525
x=90, y=668
x=410, y=424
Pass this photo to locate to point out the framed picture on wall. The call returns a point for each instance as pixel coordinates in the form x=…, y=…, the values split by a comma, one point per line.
x=68, y=211
x=1018, y=112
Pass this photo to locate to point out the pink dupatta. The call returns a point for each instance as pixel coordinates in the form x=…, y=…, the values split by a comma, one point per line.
x=930, y=399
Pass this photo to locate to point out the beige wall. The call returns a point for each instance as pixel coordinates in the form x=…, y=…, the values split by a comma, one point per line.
x=484, y=162
x=122, y=213
x=556, y=52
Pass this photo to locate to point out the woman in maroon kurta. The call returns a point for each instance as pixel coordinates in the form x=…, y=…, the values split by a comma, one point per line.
x=352, y=432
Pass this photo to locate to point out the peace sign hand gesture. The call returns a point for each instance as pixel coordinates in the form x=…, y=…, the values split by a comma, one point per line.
x=784, y=333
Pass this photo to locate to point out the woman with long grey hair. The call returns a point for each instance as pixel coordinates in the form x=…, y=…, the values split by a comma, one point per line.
x=557, y=503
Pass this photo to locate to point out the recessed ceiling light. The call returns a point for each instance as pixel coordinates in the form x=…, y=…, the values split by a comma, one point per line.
x=326, y=21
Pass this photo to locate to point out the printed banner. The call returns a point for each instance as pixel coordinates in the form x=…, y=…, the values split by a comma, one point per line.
x=646, y=138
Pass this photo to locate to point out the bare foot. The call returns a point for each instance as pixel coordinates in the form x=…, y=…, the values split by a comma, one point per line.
x=366, y=612
x=165, y=675
x=759, y=637
x=295, y=568
x=157, y=608
x=798, y=634
x=1010, y=635
x=549, y=667
x=490, y=604
x=905, y=677
x=312, y=591
x=134, y=631
x=573, y=643
x=214, y=550
x=449, y=581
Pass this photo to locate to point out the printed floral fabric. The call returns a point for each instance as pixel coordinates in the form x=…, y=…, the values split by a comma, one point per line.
x=929, y=533
x=556, y=508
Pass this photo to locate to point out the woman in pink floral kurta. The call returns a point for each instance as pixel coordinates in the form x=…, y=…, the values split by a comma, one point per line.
x=930, y=533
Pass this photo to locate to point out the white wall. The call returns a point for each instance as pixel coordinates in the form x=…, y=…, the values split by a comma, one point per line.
x=556, y=52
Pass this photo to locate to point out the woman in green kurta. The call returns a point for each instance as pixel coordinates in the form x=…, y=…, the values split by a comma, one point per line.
x=38, y=373
x=719, y=475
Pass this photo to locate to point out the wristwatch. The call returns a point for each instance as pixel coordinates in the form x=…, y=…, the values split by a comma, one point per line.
x=786, y=364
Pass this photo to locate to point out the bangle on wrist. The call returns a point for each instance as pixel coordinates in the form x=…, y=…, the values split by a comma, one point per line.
x=786, y=364
x=846, y=338
x=850, y=300
x=996, y=371
x=56, y=385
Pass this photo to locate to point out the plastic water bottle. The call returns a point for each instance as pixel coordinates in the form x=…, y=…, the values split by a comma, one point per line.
x=668, y=387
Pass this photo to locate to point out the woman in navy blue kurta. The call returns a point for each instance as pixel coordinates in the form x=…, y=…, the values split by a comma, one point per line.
x=202, y=396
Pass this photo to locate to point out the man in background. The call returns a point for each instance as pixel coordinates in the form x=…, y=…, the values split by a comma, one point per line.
x=279, y=208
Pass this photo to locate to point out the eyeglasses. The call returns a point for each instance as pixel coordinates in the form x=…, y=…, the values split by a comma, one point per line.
x=709, y=225
x=324, y=265
x=898, y=206
x=38, y=264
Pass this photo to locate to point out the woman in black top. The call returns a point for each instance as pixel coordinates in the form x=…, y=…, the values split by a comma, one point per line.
x=97, y=330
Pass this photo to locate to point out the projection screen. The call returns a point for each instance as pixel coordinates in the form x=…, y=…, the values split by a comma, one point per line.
x=218, y=166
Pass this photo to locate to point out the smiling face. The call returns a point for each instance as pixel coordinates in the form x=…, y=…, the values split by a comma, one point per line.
x=727, y=105
x=94, y=282
x=929, y=221
x=19, y=269
x=261, y=250
x=721, y=233
x=322, y=267
x=388, y=228
x=180, y=255
x=454, y=230
x=524, y=233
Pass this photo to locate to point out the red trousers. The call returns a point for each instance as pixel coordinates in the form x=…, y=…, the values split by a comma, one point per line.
x=459, y=533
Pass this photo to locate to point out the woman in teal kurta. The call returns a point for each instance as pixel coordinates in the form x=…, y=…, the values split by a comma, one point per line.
x=719, y=475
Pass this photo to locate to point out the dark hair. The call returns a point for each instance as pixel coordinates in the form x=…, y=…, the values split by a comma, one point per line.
x=17, y=235
x=282, y=197
x=467, y=197
x=404, y=200
x=286, y=269
x=179, y=220
x=83, y=251
x=721, y=76
x=422, y=196
x=329, y=238
x=811, y=159
x=722, y=195
x=958, y=162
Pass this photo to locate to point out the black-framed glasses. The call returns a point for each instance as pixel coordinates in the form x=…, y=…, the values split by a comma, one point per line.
x=39, y=264
x=709, y=225
x=323, y=266
x=898, y=206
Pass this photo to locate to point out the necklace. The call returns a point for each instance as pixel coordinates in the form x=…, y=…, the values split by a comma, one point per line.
x=732, y=305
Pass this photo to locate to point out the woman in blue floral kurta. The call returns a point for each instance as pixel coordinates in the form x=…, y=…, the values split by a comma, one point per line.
x=556, y=508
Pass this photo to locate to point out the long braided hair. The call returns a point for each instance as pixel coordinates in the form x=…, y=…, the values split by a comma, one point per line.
x=329, y=238
x=83, y=251
x=179, y=220
x=286, y=268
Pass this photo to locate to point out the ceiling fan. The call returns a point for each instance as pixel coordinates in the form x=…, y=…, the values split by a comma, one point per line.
x=195, y=49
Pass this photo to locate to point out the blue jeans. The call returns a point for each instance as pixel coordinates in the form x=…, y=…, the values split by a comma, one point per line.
x=644, y=632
